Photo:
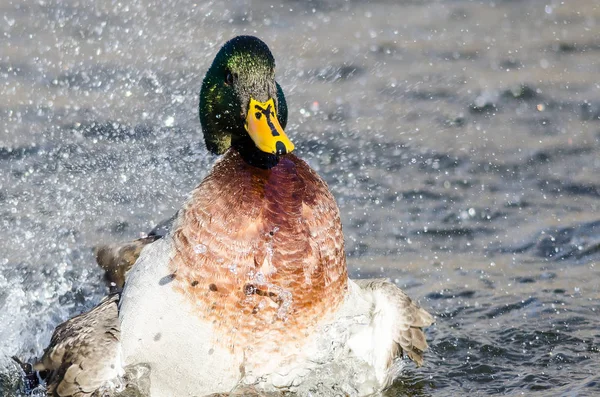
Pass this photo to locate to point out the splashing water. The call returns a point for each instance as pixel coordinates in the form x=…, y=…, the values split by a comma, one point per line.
x=459, y=139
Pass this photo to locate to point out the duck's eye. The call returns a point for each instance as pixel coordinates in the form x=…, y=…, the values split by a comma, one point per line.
x=228, y=78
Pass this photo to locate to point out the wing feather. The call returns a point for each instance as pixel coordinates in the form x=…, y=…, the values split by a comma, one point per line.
x=84, y=352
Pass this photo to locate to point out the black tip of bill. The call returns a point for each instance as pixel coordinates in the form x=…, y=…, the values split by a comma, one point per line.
x=280, y=148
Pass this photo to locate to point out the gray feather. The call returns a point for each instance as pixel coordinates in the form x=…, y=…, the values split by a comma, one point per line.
x=409, y=336
x=83, y=353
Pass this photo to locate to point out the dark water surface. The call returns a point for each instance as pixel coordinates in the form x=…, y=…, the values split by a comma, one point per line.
x=460, y=138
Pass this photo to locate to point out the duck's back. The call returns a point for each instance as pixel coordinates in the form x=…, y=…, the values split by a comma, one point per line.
x=253, y=264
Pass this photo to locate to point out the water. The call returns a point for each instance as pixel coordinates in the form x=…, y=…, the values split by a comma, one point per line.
x=461, y=140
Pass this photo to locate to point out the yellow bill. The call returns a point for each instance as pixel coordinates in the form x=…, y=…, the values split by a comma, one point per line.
x=264, y=128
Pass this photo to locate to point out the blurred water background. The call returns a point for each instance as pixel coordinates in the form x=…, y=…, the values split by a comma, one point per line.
x=460, y=138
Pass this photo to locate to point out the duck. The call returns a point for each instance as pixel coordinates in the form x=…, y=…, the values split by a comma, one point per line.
x=249, y=286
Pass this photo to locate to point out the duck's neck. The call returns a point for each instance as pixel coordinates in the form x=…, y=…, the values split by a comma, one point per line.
x=252, y=155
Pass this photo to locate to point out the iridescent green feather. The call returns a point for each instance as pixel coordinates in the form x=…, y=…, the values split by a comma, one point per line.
x=223, y=106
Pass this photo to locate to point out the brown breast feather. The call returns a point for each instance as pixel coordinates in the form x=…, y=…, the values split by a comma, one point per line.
x=260, y=253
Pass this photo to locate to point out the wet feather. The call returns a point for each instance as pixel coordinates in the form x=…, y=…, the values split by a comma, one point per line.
x=250, y=284
x=84, y=352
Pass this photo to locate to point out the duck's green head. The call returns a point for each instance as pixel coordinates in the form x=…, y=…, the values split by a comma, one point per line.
x=241, y=104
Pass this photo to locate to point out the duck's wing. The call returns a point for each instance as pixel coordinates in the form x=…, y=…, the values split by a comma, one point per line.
x=117, y=259
x=84, y=352
x=394, y=327
x=163, y=227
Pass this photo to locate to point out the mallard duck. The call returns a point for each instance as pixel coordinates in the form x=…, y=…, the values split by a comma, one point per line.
x=250, y=286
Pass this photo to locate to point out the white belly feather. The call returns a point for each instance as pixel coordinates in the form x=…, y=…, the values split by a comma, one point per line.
x=158, y=328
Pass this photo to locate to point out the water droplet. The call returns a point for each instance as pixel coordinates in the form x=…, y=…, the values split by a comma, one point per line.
x=259, y=278
x=169, y=121
x=200, y=248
